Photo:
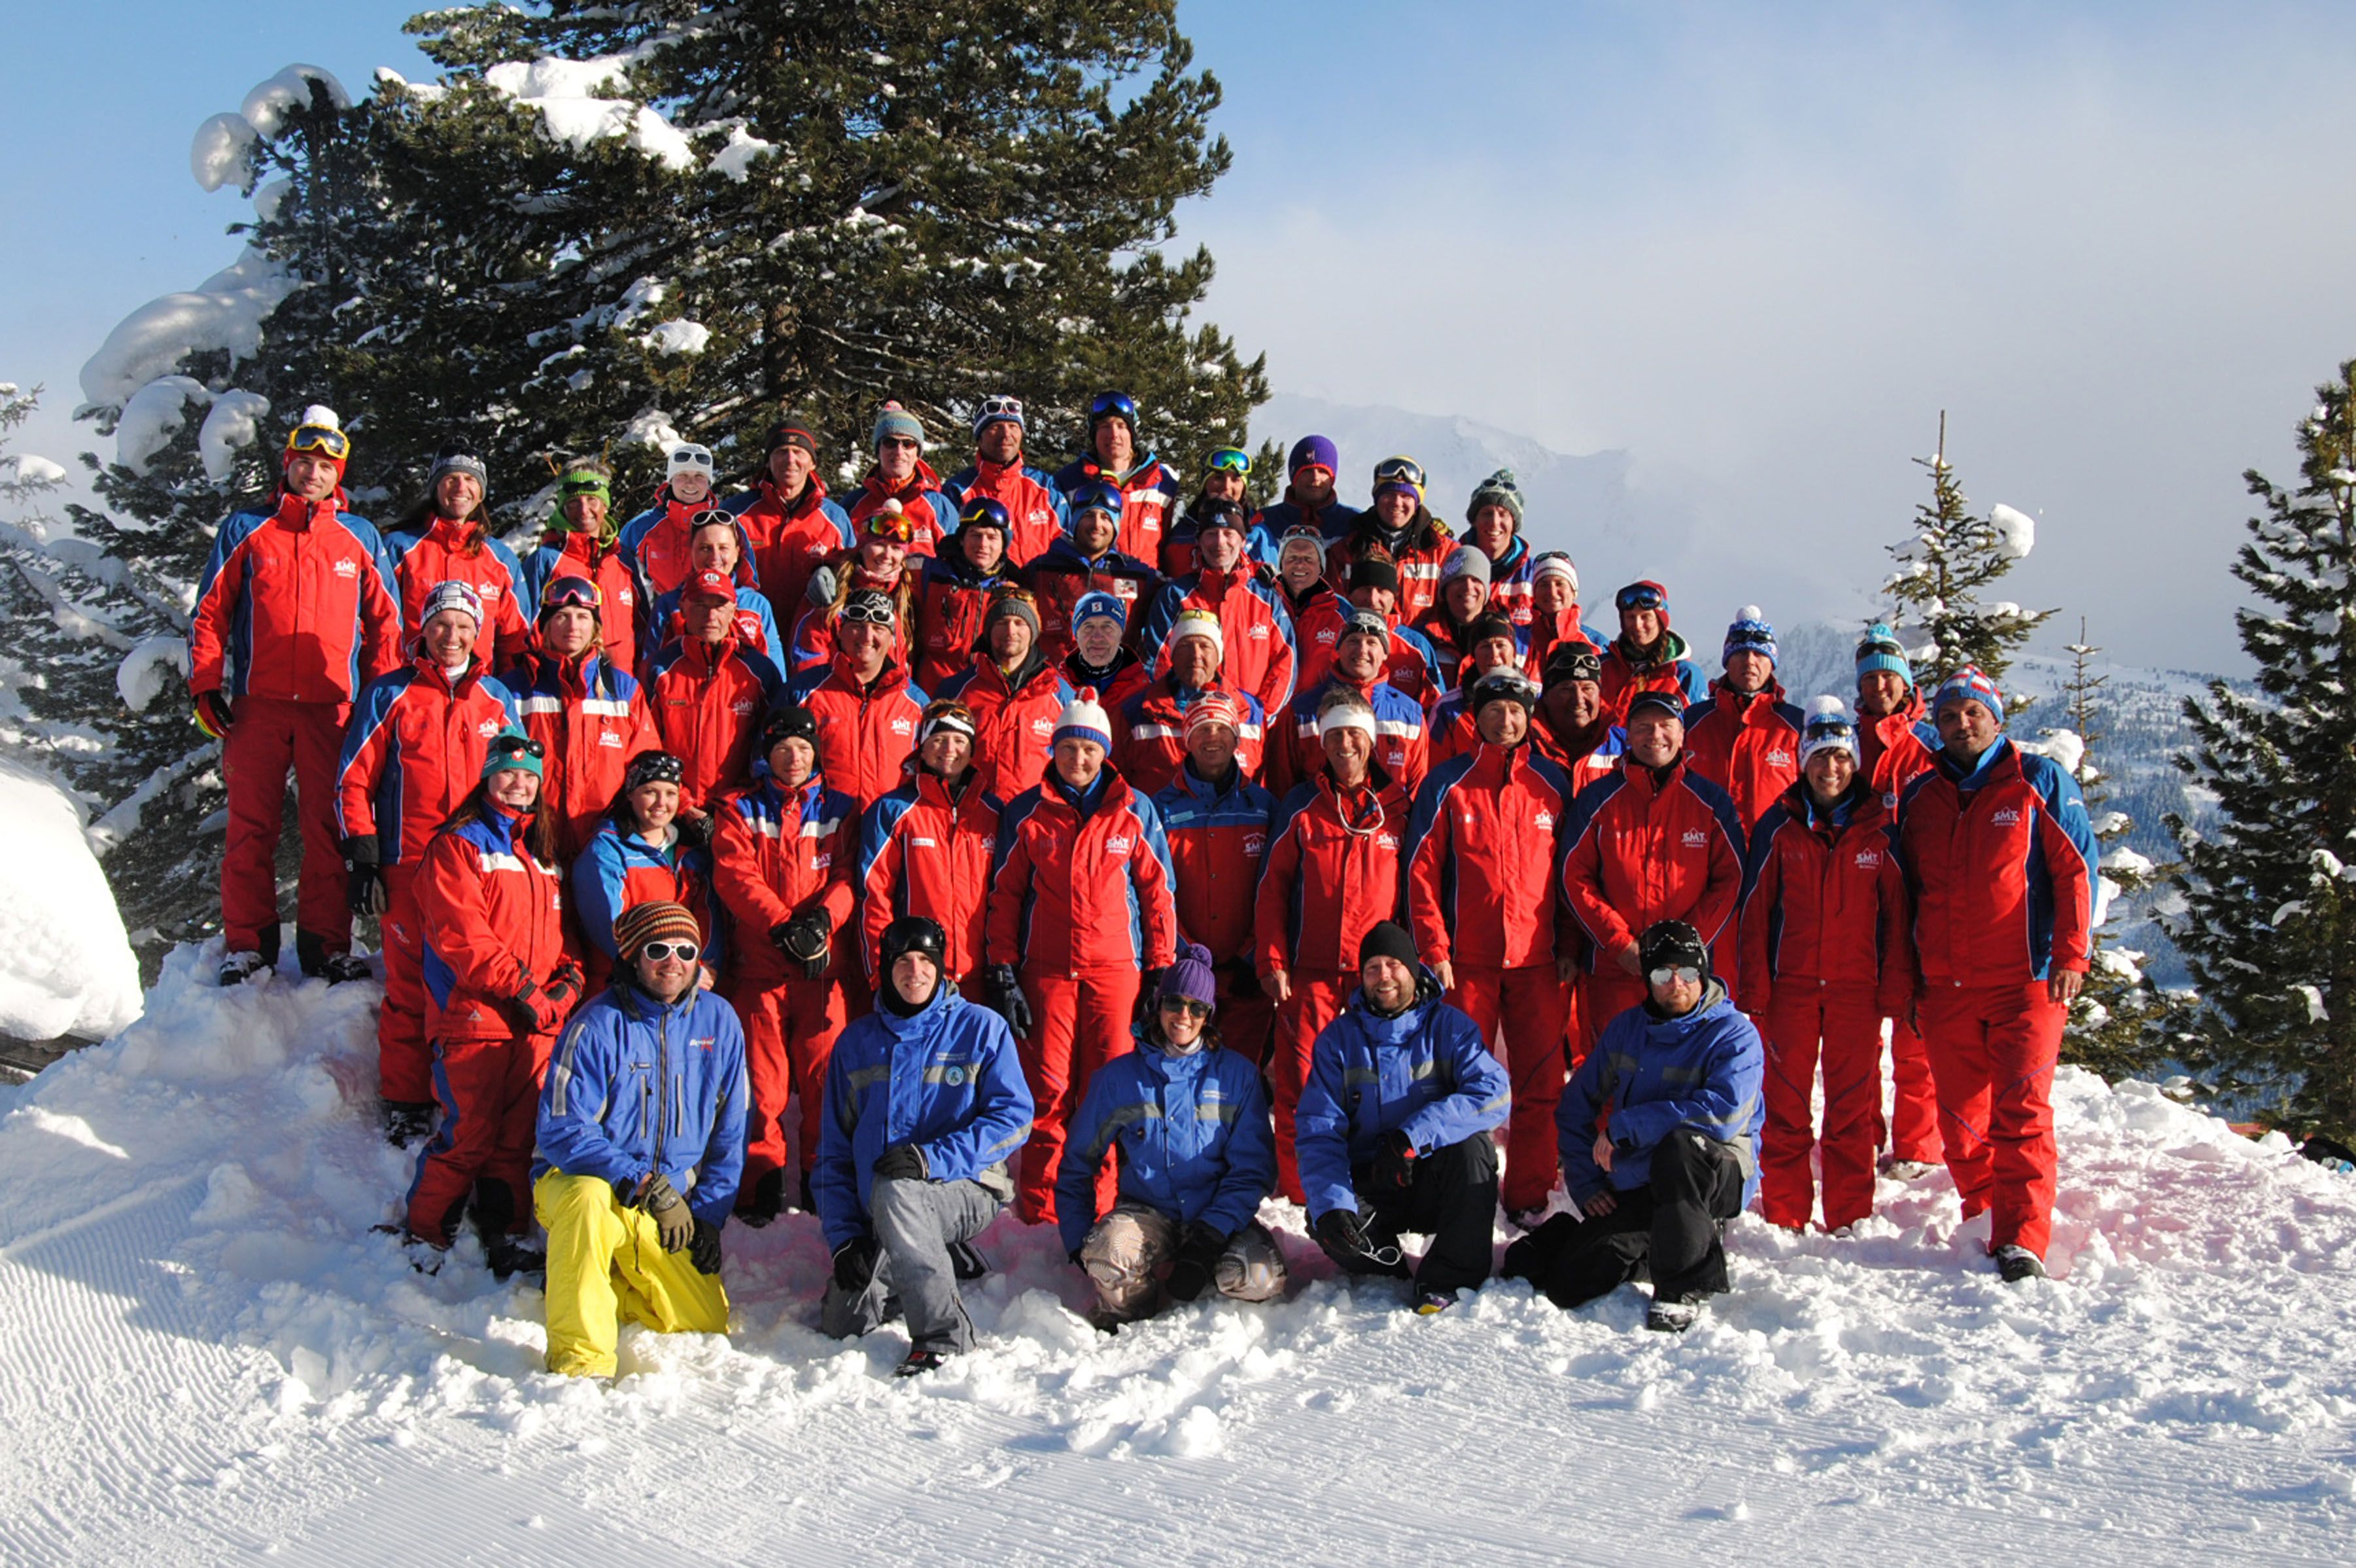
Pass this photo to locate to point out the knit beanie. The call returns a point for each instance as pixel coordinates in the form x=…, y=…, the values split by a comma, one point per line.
x=657, y=921
x=1749, y=632
x=1214, y=707
x=1191, y=977
x=511, y=748
x=1497, y=490
x=895, y=420
x=1099, y=602
x=1466, y=561
x=1970, y=684
x=1388, y=939
x=1375, y=572
x=453, y=595
x=1827, y=728
x=1016, y=602
x=1881, y=650
x=1198, y=623
x=1312, y=452
x=1082, y=719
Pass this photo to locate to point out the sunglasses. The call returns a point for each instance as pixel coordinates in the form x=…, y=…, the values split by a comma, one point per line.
x=531, y=749
x=868, y=613
x=323, y=438
x=1114, y=405
x=1230, y=460
x=1637, y=596
x=659, y=951
x=1399, y=471
x=691, y=457
x=1685, y=973
x=1001, y=407
x=572, y=593
x=1180, y=1005
x=573, y=484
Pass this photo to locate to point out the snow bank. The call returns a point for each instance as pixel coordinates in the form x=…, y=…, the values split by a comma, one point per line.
x=65, y=966
x=208, y=1348
x=225, y=312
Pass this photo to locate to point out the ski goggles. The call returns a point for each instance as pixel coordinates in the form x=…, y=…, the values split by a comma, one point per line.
x=1113, y=406
x=711, y=516
x=1230, y=460
x=1399, y=471
x=653, y=767
x=1640, y=596
x=895, y=526
x=691, y=459
x=1684, y=974
x=870, y=609
x=572, y=593
x=513, y=746
x=1872, y=645
x=660, y=950
x=582, y=481
x=323, y=438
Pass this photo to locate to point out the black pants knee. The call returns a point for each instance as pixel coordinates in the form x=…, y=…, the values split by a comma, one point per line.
x=1453, y=1200
x=1669, y=1228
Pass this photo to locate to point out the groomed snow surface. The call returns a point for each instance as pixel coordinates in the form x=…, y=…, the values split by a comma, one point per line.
x=208, y=1358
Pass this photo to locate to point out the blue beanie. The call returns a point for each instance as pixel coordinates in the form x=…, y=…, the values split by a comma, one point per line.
x=1881, y=650
x=1099, y=602
x=1970, y=684
x=1749, y=632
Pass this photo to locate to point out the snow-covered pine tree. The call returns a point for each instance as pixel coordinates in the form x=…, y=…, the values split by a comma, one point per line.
x=1943, y=565
x=2269, y=929
x=2117, y=1025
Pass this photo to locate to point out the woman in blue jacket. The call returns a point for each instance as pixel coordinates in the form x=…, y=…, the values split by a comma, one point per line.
x=1197, y=1155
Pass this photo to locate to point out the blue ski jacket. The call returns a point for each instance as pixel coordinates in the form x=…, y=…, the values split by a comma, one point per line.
x=1424, y=1072
x=1654, y=1076
x=1195, y=1137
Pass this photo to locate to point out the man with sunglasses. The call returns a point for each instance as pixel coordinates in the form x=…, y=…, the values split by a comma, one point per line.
x=296, y=611
x=581, y=541
x=1646, y=656
x=1027, y=496
x=901, y=476
x=1401, y=526
x=1088, y=561
x=1309, y=498
x=1394, y=1128
x=791, y=525
x=710, y=695
x=1147, y=487
x=1227, y=476
x=955, y=587
x=1257, y=649
x=641, y=1135
x=866, y=708
x=1659, y=1134
x=656, y=543
x=588, y=716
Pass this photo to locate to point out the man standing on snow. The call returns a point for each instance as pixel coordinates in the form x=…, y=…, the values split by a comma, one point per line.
x=1895, y=742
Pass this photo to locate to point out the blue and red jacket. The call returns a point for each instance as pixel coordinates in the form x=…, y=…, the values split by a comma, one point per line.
x=1480, y=859
x=1219, y=837
x=709, y=700
x=494, y=918
x=1513, y=583
x=1893, y=748
x=923, y=850
x=1037, y=508
x=590, y=720
x=1082, y=881
x=1149, y=498
x=1424, y=1072
x=1149, y=742
x=1195, y=1136
x=575, y=554
x=658, y=547
x=1402, y=743
x=2000, y=865
x=932, y=515
x=951, y=599
x=1748, y=747
x=620, y=871
x=1256, y=631
x=1824, y=903
x=866, y=729
x=1626, y=674
x=1650, y=1076
x=454, y=552
x=297, y=604
x=790, y=540
x=1060, y=576
x=811, y=644
x=778, y=853
x=1411, y=665
x=1332, y=522
x=1016, y=719
x=412, y=750
x=947, y=1079
x=1639, y=849
x=636, y=1086
x=1420, y=554
x=757, y=626
x=1333, y=873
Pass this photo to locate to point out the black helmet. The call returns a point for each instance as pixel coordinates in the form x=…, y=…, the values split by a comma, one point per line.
x=915, y=933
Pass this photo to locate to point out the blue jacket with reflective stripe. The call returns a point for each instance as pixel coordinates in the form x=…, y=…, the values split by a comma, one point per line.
x=1195, y=1138
x=636, y=1086
x=1425, y=1072
x=946, y=1079
x=1655, y=1075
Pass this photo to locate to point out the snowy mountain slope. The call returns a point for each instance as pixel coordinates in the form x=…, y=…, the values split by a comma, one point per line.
x=209, y=1355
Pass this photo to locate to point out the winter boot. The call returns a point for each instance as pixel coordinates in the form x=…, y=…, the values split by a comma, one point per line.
x=763, y=1200
x=237, y=968
x=406, y=1121
x=1432, y=1303
x=495, y=1216
x=2016, y=1264
x=1671, y=1317
x=1905, y=1169
x=919, y=1364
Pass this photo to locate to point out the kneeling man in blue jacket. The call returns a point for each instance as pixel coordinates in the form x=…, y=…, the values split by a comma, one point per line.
x=925, y=1104
x=1659, y=1131
x=1393, y=1130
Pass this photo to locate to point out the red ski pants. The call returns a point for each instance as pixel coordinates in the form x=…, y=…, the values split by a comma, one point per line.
x=1247, y=1018
x=790, y=1028
x=1838, y=1026
x=1606, y=993
x=1318, y=998
x=1521, y=1014
x=404, y=1063
x=490, y=1094
x=1914, y=1102
x=269, y=736
x=1993, y=1050
x=1079, y=1022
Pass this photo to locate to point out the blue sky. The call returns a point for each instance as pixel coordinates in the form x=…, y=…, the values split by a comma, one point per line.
x=1759, y=247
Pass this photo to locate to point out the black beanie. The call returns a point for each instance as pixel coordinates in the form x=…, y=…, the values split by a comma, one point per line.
x=1672, y=943
x=1375, y=572
x=1388, y=940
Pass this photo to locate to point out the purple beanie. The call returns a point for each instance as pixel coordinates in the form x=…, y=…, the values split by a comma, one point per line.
x=1312, y=452
x=1190, y=976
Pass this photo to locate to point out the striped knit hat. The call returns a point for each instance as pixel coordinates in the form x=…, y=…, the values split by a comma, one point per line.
x=641, y=923
x=1970, y=684
x=1082, y=719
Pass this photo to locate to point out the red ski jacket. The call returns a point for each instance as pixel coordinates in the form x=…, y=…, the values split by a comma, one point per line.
x=1256, y=631
x=1481, y=857
x=1823, y=903
x=777, y=852
x=928, y=511
x=1331, y=873
x=951, y=600
x=1624, y=676
x=1639, y=849
x=1428, y=545
x=1402, y=738
x=1029, y=495
x=1113, y=690
x=2000, y=865
x=494, y=918
x=1896, y=747
x=1410, y=666
x=1149, y=500
x=924, y=851
x=790, y=540
x=1082, y=885
x=865, y=733
x=656, y=546
x=1749, y=748
x=451, y=551
x=1149, y=735
x=580, y=554
x=708, y=701
x=1218, y=839
x=1060, y=576
x=592, y=719
x=297, y=604
x=412, y=750
x=1016, y=721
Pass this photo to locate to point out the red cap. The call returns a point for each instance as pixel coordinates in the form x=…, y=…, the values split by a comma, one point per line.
x=709, y=585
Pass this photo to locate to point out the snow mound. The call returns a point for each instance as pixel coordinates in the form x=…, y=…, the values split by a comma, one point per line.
x=235, y=423
x=678, y=338
x=225, y=312
x=208, y=1345
x=65, y=965
x=223, y=152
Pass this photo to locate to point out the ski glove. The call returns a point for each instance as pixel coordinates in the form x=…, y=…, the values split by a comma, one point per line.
x=695, y=832
x=213, y=713
x=1394, y=1166
x=1012, y=1005
x=820, y=592
x=563, y=988
x=364, y=879
x=903, y=1161
x=1199, y=1249
x=805, y=937
x=674, y=1226
x=703, y=1252
x=855, y=1263
x=1340, y=1233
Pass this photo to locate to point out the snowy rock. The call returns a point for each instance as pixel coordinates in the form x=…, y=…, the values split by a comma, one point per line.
x=266, y=107
x=225, y=312
x=153, y=417
x=153, y=667
x=65, y=965
x=235, y=423
x=223, y=152
x=2016, y=532
x=565, y=92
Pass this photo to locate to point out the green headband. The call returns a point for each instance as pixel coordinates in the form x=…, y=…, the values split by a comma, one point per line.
x=585, y=482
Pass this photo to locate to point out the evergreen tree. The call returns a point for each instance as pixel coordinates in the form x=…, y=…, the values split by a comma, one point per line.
x=2270, y=926
x=1944, y=565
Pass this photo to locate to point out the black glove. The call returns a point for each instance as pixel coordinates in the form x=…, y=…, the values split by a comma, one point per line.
x=364, y=887
x=1394, y=1166
x=854, y=1263
x=1199, y=1249
x=1148, y=996
x=1340, y=1232
x=695, y=832
x=522, y=1007
x=1012, y=1005
x=563, y=987
x=674, y=1226
x=805, y=937
x=213, y=712
x=1242, y=982
x=903, y=1161
x=703, y=1250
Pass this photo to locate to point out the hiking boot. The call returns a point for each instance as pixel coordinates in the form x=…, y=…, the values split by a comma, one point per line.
x=2016, y=1264
x=339, y=968
x=919, y=1364
x=1671, y=1317
x=765, y=1200
x=406, y=1121
x=237, y=968
x=511, y=1255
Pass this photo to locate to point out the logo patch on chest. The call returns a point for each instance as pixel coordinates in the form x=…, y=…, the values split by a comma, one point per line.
x=1120, y=846
x=488, y=728
x=2009, y=817
x=348, y=568
x=1779, y=758
x=1867, y=860
x=1696, y=838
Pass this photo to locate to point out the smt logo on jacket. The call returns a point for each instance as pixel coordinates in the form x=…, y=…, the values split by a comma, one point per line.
x=1120, y=844
x=488, y=728
x=348, y=568
x=2009, y=816
x=1696, y=838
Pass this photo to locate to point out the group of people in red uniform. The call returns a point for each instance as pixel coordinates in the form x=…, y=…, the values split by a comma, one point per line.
x=1088, y=724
